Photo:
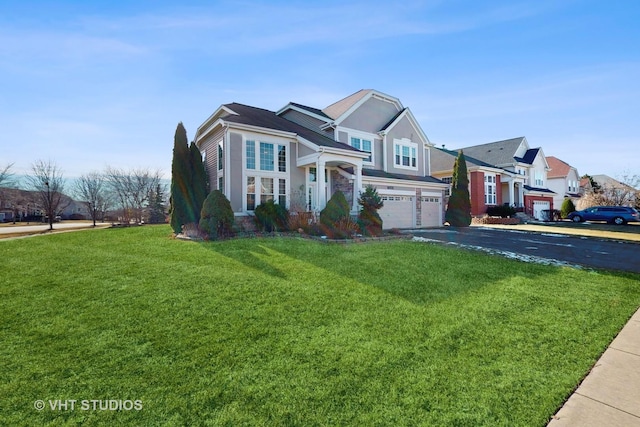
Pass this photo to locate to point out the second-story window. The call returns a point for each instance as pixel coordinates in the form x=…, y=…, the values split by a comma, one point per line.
x=362, y=145
x=405, y=154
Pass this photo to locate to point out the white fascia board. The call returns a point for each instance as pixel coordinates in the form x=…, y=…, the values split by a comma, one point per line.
x=409, y=115
x=307, y=143
x=259, y=129
x=307, y=160
x=403, y=182
x=340, y=151
x=212, y=119
x=204, y=132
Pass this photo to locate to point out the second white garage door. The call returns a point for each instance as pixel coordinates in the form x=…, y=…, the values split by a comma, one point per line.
x=431, y=211
x=398, y=211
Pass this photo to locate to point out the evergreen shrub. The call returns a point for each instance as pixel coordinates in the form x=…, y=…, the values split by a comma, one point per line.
x=216, y=217
x=567, y=207
x=369, y=220
x=270, y=216
x=503, y=211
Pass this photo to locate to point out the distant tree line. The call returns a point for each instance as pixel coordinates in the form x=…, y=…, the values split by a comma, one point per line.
x=127, y=196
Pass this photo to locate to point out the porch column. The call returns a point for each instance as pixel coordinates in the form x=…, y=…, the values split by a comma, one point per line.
x=322, y=186
x=521, y=195
x=357, y=186
x=511, y=196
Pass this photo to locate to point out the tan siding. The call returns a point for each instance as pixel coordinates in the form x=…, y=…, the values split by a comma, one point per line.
x=371, y=116
x=234, y=176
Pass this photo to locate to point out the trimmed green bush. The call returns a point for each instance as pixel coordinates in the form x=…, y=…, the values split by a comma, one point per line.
x=334, y=215
x=369, y=220
x=567, y=207
x=216, y=216
x=503, y=211
x=271, y=216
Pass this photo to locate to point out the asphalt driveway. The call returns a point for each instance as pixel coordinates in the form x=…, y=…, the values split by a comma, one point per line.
x=544, y=247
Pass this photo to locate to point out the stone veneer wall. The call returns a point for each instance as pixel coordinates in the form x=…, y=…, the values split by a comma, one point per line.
x=341, y=183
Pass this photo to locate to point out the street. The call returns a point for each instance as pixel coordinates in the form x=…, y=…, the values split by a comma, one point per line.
x=556, y=248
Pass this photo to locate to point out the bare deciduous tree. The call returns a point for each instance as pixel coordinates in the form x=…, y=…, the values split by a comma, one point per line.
x=91, y=190
x=132, y=190
x=48, y=184
x=6, y=176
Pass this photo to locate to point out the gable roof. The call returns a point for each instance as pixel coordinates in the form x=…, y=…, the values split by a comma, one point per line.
x=337, y=109
x=559, y=169
x=405, y=112
x=342, y=109
x=529, y=156
x=496, y=153
x=443, y=160
x=253, y=116
x=306, y=109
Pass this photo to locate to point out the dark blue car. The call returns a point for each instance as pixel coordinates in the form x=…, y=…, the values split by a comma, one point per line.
x=614, y=214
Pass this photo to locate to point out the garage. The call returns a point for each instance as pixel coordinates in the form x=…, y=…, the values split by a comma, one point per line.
x=398, y=211
x=431, y=211
x=538, y=207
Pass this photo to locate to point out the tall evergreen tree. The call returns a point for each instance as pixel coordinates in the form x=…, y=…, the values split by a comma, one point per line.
x=182, y=211
x=199, y=181
x=459, y=207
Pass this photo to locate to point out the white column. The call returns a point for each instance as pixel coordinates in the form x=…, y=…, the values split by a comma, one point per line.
x=521, y=195
x=320, y=185
x=511, y=196
x=357, y=187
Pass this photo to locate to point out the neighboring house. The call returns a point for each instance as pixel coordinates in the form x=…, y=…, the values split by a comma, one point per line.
x=564, y=180
x=299, y=156
x=523, y=184
x=484, y=179
x=614, y=192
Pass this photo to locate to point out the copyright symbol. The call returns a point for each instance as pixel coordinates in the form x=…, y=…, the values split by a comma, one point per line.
x=39, y=405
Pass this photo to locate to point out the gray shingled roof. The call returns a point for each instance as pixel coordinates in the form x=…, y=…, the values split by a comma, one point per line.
x=529, y=156
x=541, y=190
x=270, y=120
x=315, y=111
x=443, y=159
x=382, y=174
x=495, y=153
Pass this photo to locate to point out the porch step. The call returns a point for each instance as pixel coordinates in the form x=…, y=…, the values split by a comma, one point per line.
x=524, y=218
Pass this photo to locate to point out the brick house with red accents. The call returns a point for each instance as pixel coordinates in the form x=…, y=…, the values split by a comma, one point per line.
x=503, y=172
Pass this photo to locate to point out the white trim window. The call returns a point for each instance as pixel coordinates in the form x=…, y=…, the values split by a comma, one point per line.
x=220, y=171
x=365, y=145
x=266, y=173
x=539, y=179
x=405, y=154
x=490, y=197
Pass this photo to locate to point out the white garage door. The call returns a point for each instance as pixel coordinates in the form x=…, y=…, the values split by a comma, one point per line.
x=397, y=211
x=538, y=207
x=431, y=211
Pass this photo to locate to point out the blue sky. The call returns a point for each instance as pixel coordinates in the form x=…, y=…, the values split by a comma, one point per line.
x=91, y=84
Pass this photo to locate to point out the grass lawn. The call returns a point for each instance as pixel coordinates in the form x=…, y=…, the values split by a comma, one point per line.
x=293, y=332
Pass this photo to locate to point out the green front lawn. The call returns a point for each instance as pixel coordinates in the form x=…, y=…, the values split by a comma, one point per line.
x=293, y=332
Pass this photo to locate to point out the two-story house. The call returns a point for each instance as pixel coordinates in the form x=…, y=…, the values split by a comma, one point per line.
x=299, y=156
x=522, y=178
x=485, y=180
x=564, y=180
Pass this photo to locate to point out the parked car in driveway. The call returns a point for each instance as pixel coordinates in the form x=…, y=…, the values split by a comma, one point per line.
x=613, y=214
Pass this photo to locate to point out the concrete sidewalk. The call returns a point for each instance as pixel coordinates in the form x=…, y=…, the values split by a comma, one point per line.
x=610, y=394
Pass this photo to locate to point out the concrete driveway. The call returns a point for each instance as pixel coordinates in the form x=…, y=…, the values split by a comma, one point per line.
x=545, y=247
